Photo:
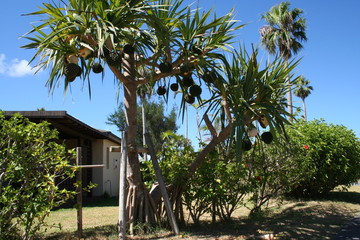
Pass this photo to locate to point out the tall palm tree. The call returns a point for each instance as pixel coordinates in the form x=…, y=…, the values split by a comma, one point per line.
x=283, y=34
x=303, y=90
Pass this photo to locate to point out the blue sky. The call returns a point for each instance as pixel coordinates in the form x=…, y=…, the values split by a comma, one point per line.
x=330, y=61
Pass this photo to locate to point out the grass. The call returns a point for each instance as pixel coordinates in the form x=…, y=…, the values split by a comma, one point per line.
x=316, y=219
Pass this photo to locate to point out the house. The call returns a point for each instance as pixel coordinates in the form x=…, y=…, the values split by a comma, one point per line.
x=95, y=146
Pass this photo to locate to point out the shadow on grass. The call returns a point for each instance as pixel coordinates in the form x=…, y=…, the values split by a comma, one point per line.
x=321, y=219
x=91, y=202
x=296, y=222
x=101, y=202
x=96, y=233
x=349, y=197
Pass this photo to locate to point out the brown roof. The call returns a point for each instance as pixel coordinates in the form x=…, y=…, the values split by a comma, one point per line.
x=67, y=125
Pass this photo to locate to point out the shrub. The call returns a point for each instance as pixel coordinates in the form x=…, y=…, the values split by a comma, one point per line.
x=174, y=159
x=30, y=163
x=175, y=155
x=333, y=157
x=219, y=186
x=273, y=169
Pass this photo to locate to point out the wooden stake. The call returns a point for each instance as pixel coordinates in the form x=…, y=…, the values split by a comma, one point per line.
x=79, y=199
x=160, y=179
x=122, y=189
x=79, y=193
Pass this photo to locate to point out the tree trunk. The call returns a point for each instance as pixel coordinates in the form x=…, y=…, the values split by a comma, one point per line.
x=139, y=205
x=290, y=102
x=304, y=107
x=143, y=117
x=289, y=96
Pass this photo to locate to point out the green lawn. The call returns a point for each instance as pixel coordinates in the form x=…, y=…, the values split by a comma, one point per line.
x=318, y=219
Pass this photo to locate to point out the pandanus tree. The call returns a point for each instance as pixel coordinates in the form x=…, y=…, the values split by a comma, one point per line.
x=284, y=33
x=303, y=90
x=148, y=41
x=140, y=41
x=245, y=95
x=253, y=94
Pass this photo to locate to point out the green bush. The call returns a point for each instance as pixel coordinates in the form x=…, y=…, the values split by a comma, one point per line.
x=313, y=159
x=273, y=169
x=219, y=186
x=175, y=156
x=30, y=164
x=332, y=159
x=174, y=159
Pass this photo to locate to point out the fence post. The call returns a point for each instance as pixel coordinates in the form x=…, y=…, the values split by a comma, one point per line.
x=122, y=189
x=79, y=199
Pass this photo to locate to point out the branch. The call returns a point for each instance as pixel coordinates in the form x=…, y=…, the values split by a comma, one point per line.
x=119, y=75
x=115, y=70
x=224, y=134
x=158, y=75
x=147, y=61
x=228, y=112
x=210, y=126
x=217, y=138
x=89, y=39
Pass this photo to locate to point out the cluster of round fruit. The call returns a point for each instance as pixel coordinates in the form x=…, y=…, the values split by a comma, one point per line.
x=266, y=137
x=187, y=83
x=112, y=58
x=72, y=69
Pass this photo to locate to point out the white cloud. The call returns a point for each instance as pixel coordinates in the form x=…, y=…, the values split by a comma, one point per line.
x=2, y=64
x=20, y=68
x=15, y=68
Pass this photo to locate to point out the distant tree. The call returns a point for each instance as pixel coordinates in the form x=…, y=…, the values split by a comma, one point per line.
x=283, y=34
x=156, y=121
x=303, y=90
x=144, y=91
x=31, y=167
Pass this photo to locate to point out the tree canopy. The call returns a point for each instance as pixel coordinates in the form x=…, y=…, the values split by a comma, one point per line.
x=286, y=30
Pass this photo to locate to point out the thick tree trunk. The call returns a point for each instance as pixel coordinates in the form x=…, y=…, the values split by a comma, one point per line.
x=131, y=126
x=139, y=205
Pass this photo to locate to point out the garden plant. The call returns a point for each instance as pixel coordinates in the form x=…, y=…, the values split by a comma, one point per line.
x=32, y=167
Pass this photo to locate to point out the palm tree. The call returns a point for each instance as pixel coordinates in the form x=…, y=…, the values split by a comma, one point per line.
x=283, y=34
x=128, y=36
x=303, y=90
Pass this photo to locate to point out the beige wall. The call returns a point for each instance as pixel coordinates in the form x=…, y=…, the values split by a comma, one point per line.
x=107, y=177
